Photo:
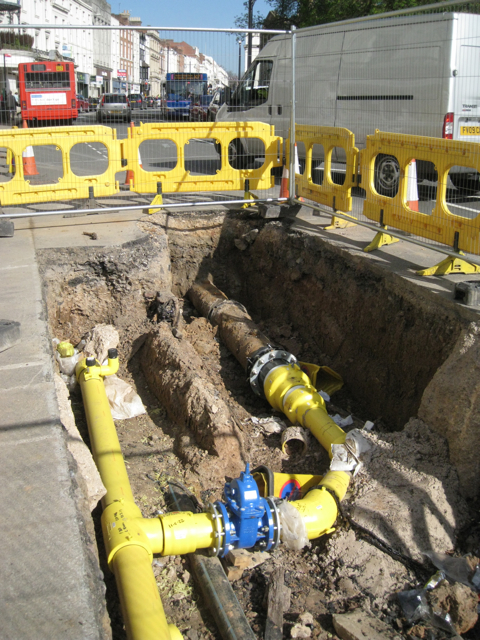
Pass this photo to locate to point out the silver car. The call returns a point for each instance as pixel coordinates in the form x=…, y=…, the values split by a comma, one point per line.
x=114, y=105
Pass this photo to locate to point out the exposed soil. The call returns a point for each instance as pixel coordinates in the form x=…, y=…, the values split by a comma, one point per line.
x=385, y=339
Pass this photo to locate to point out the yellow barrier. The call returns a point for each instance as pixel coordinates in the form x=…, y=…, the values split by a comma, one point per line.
x=441, y=225
x=328, y=193
x=178, y=178
x=19, y=190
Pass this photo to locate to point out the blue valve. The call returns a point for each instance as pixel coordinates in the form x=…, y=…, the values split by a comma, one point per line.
x=248, y=520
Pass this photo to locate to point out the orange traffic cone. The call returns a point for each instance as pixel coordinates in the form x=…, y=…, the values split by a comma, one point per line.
x=412, y=189
x=29, y=164
x=284, y=183
x=130, y=177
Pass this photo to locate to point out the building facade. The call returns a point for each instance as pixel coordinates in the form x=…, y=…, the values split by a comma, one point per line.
x=106, y=60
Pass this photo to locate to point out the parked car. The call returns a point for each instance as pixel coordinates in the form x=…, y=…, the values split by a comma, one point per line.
x=136, y=101
x=217, y=100
x=82, y=103
x=199, y=108
x=149, y=101
x=114, y=105
x=93, y=103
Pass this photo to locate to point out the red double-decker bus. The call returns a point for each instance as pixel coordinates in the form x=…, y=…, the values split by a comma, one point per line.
x=47, y=92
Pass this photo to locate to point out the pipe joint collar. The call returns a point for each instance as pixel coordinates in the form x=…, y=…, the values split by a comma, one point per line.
x=121, y=528
x=263, y=358
x=94, y=371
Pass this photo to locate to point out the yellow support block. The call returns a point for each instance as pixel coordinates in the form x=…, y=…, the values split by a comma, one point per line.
x=250, y=197
x=450, y=265
x=380, y=240
x=340, y=223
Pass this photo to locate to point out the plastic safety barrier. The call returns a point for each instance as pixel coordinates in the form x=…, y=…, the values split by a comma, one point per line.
x=441, y=225
x=328, y=193
x=179, y=179
x=19, y=190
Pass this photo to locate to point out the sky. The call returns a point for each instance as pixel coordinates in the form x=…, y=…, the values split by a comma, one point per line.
x=189, y=13
x=217, y=14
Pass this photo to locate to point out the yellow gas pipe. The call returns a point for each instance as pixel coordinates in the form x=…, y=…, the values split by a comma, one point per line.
x=289, y=389
x=129, y=546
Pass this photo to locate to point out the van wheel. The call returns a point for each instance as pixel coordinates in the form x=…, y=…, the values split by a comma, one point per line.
x=465, y=183
x=387, y=175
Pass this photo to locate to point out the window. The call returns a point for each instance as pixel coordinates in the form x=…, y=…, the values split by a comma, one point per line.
x=47, y=80
x=254, y=88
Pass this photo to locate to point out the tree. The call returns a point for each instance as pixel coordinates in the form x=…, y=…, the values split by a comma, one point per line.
x=241, y=21
x=307, y=13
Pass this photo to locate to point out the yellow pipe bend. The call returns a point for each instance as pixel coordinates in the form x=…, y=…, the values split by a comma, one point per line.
x=319, y=508
x=288, y=389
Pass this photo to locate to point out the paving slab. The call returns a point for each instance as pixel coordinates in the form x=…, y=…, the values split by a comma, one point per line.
x=50, y=581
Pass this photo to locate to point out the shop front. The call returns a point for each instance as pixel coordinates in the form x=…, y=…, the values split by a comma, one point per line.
x=83, y=82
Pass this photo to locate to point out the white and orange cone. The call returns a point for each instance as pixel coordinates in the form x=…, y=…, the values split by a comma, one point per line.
x=297, y=162
x=412, y=188
x=29, y=164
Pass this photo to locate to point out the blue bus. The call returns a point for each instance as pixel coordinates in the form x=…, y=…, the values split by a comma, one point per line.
x=181, y=90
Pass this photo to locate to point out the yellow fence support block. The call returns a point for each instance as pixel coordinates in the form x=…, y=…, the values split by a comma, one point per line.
x=441, y=225
x=336, y=196
x=340, y=223
x=380, y=239
x=178, y=179
x=450, y=265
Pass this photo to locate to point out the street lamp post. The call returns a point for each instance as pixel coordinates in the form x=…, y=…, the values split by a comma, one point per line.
x=250, y=26
x=240, y=41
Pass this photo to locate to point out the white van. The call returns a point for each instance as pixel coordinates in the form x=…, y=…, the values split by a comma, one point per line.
x=416, y=75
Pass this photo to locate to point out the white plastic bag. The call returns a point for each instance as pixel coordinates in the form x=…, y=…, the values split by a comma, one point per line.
x=351, y=455
x=294, y=531
x=123, y=399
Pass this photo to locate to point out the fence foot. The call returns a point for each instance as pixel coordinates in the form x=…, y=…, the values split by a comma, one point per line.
x=158, y=199
x=251, y=197
x=450, y=265
x=380, y=240
x=339, y=223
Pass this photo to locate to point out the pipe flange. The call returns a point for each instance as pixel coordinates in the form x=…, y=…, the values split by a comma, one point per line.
x=221, y=303
x=277, y=526
x=274, y=354
x=219, y=531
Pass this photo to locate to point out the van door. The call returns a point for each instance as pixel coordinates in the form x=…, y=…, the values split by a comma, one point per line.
x=251, y=101
x=467, y=95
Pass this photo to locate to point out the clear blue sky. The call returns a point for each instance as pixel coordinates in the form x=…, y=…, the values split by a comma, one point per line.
x=217, y=14
x=189, y=13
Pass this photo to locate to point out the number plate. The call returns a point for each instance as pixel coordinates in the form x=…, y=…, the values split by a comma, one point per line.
x=469, y=130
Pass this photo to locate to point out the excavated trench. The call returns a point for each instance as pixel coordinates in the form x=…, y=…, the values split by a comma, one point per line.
x=395, y=347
